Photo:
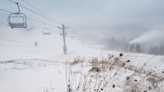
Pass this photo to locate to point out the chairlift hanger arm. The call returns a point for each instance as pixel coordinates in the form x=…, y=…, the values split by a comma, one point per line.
x=17, y=5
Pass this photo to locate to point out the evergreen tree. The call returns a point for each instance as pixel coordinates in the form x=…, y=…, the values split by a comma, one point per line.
x=131, y=48
x=138, y=48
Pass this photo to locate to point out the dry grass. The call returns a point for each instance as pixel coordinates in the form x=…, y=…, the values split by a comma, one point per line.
x=78, y=60
x=95, y=62
x=110, y=70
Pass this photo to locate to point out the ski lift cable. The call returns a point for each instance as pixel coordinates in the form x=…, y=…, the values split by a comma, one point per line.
x=34, y=12
x=41, y=22
x=29, y=18
x=41, y=11
x=5, y=10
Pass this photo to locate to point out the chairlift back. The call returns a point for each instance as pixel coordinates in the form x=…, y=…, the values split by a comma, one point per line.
x=46, y=31
x=73, y=36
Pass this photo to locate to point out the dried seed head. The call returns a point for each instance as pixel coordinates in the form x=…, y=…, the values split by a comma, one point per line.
x=69, y=90
x=113, y=86
x=123, y=64
x=101, y=88
x=77, y=87
x=150, y=88
x=135, y=80
x=97, y=70
x=128, y=61
x=121, y=54
x=162, y=71
x=144, y=63
x=127, y=77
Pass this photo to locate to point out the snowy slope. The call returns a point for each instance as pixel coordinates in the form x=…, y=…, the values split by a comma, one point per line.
x=45, y=62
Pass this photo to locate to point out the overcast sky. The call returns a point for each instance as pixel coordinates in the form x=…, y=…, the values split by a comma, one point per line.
x=93, y=15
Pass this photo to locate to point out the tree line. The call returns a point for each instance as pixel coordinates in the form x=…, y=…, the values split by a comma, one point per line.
x=123, y=44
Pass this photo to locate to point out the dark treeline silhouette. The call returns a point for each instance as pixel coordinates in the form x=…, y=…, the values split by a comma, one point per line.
x=157, y=50
x=122, y=44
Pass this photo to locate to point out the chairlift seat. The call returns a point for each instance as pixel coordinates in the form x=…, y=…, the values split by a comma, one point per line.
x=17, y=25
x=46, y=33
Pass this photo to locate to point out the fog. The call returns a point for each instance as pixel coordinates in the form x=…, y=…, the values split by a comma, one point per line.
x=137, y=21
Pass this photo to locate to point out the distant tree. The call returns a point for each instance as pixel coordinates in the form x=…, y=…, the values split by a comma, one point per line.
x=138, y=48
x=161, y=50
x=131, y=47
x=154, y=50
x=125, y=46
x=150, y=50
x=112, y=43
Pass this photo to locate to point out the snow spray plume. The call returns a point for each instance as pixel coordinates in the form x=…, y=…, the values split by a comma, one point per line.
x=155, y=36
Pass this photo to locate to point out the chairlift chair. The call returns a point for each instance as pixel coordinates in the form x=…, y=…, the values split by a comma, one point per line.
x=15, y=16
x=73, y=36
x=46, y=31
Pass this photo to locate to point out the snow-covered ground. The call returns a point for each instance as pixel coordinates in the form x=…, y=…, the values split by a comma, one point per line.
x=30, y=68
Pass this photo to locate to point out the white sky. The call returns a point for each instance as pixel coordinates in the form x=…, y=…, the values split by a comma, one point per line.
x=85, y=15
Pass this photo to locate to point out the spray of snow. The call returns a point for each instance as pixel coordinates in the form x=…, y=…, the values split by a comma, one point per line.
x=155, y=36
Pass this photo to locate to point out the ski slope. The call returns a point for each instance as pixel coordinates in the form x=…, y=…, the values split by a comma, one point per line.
x=30, y=68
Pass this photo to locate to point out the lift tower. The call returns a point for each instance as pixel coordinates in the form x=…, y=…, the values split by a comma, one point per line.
x=63, y=34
